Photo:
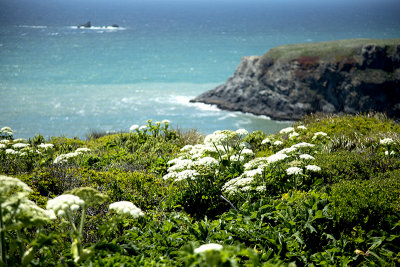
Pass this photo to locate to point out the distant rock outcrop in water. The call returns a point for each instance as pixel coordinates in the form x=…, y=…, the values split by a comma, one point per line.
x=85, y=25
x=288, y=82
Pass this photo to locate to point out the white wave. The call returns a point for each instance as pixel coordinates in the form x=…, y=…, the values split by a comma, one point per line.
x=99, y=28
x=33, y=26
x=185, y=101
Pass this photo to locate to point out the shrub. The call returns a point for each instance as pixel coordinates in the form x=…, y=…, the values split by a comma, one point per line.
x=369, y=203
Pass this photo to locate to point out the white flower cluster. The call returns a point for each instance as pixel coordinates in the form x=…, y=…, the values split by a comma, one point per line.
x=126, y=208
x=293, y=135
x=294, y=171
x=208, y=247
x=64, y=204
x=65, y=157
x=286, y=130
x=306, y=157
x=313, y=168
x=10, y=185
x=20, y=145
x=301, y=127
x=266, y=141
x=46, y=146
x=182, y=175
x=6, y=131
x=386, y=141
x=318, y=135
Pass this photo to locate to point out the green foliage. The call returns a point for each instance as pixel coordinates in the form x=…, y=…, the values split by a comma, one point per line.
x=369, y=203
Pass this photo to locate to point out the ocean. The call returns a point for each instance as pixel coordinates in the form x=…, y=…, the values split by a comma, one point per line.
x=57, y=79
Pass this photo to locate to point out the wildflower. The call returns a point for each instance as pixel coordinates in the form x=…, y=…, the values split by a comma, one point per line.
x=134, y=127
x=301, y=127
x=252, y=173
x=276, y=158
x=246, y=188
x=11, y=151
x=236, y=158
x=187, y=174
x=294, y=171
x=261, y=188
x=180, y=164
x=82, y=150
x=287, y=150
x=247, y=152
x=266, y=141
x=286, y=130
x=64, y=204
x=166, y=121
x=46, y=146
x=143, y=127
x=306, y=157
x=208, y=247
x=244, y=181
x=386, y=141
x=2, y=146
x=126, y=208
x=6, y=130
x=20, y=145
x=313, y=168
x=391, y=153
x=4, y=141
x=207, y=161
x=10, y=185
x=303, y=144
x=278, y=143
x=242, y=132
x=293, y=135
x=319, y=134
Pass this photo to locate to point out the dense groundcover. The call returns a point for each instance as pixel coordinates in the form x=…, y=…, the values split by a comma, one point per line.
x=323, y=192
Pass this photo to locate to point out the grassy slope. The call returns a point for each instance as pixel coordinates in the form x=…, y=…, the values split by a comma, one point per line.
x=328, y=51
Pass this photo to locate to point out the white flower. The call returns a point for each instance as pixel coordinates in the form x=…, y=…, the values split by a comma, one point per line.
x=294, y=171
x=64, y=204
x=244, y=181
x=165, y=121
x=242, y=132
x=246, y=188
x=143, y=127
x=11, y=151
x=236, y=158
x=287, y=130
x=186, y=174
x=313, y=168
x=303, y=144
x=386, y=141
x=2, y=146
x=391, y=153
x=82, y=150
x=293, y=135
x=266, y=141
x=252, y=173
x=306, y=157
x=20, y=145
x=247, y=152
x=10, y=185
x=261, y=188
x=207, y=161
x=180, y=164
x=207, y=247
x=5, y=141
x=276, y=157
x=287, y=150
x=319, y=134
x=278, y=143
x=65, y=157
x=301, y=127
x=6, y=130
x=46, y=146
x=134, y=127
x=126, y=208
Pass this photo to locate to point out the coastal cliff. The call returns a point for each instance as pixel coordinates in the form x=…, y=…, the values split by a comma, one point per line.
x=288, y=82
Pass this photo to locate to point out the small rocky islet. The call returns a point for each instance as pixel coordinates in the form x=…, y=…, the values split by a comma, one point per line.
x=337, y=77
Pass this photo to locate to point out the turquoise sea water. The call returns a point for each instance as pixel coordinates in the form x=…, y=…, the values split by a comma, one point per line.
x=57, y=79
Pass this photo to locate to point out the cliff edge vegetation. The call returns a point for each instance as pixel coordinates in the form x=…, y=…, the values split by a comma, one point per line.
x=323, y=192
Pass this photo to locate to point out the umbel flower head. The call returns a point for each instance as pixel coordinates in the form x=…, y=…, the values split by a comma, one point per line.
x=64, y=204
x=208, y=247
x=11, y=185
x=126, y=208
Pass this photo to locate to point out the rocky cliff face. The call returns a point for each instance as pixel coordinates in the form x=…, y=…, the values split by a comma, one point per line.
x=291, y=81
